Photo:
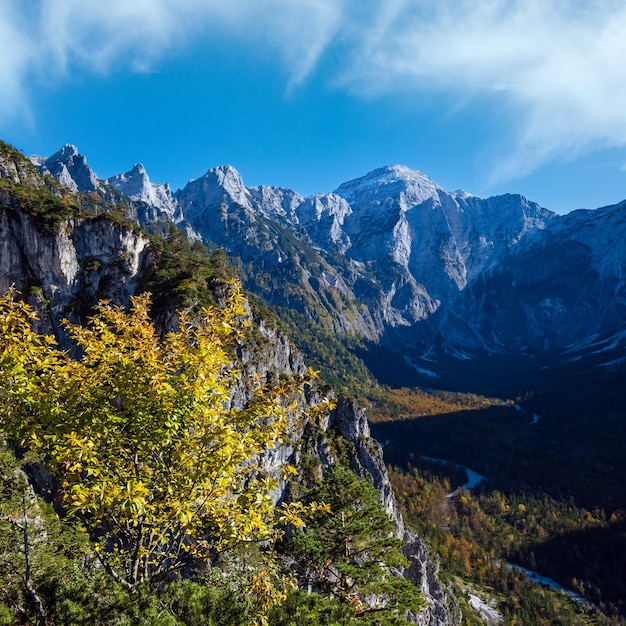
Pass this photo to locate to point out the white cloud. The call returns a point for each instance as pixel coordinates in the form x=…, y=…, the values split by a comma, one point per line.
x=135, y=34
x=554, y=69
x=15, y=60
x=300, y=30
x=101, y=34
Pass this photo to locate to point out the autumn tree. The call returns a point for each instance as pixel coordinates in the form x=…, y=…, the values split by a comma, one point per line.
x=139, y=435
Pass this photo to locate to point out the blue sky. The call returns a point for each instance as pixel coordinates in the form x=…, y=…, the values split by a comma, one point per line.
x=490, y=96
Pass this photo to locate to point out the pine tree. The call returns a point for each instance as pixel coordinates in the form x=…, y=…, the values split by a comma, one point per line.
x=351, y=554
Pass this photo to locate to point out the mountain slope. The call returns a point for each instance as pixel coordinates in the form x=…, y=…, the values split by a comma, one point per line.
x=380, y=252
x=437, y=241
x=564, y=285
x=70, y=169
x=278, y=261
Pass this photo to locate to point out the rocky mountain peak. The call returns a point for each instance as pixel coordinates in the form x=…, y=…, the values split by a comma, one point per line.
x=323, y=216
x=276, y=202
x=136, y=185
x=406, y=186
x=230, y=180
x=221, y=185
x=67, y=152
x=70, y=168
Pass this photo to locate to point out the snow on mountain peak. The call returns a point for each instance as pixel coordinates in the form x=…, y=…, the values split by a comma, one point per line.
x=391, y=174
x=464, y=195
x=395, y=172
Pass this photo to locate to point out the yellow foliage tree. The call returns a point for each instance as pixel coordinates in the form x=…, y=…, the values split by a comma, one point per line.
x=140, y=435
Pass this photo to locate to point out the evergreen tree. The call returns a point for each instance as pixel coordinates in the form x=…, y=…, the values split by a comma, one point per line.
x=352, y=554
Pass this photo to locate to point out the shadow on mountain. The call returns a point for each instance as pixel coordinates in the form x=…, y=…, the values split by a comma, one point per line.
x=563, y=458
x=590, y=561
x=428, y=365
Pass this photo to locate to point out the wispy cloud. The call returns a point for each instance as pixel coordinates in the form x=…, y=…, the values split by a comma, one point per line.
x=554, y=69
x=102, y=35
x=15, y=59
x=47, y=39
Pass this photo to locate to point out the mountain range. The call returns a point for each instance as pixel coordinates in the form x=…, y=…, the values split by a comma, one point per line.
x=395, y=259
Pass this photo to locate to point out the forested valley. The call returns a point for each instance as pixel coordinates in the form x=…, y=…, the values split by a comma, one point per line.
x=551, y=497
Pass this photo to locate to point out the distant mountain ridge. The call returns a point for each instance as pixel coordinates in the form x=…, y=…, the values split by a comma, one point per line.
x=392, y=256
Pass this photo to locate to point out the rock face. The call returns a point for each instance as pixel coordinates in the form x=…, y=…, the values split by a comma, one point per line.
x=367, y=461
x=561, y=286
x=424, y=573
x=67, y=267
x=136, y=185
x=260, y=227
x=68, y=270
x=70, y=169
x=424, y=244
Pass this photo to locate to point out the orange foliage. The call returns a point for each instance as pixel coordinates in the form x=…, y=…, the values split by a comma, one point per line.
x=407, y=404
